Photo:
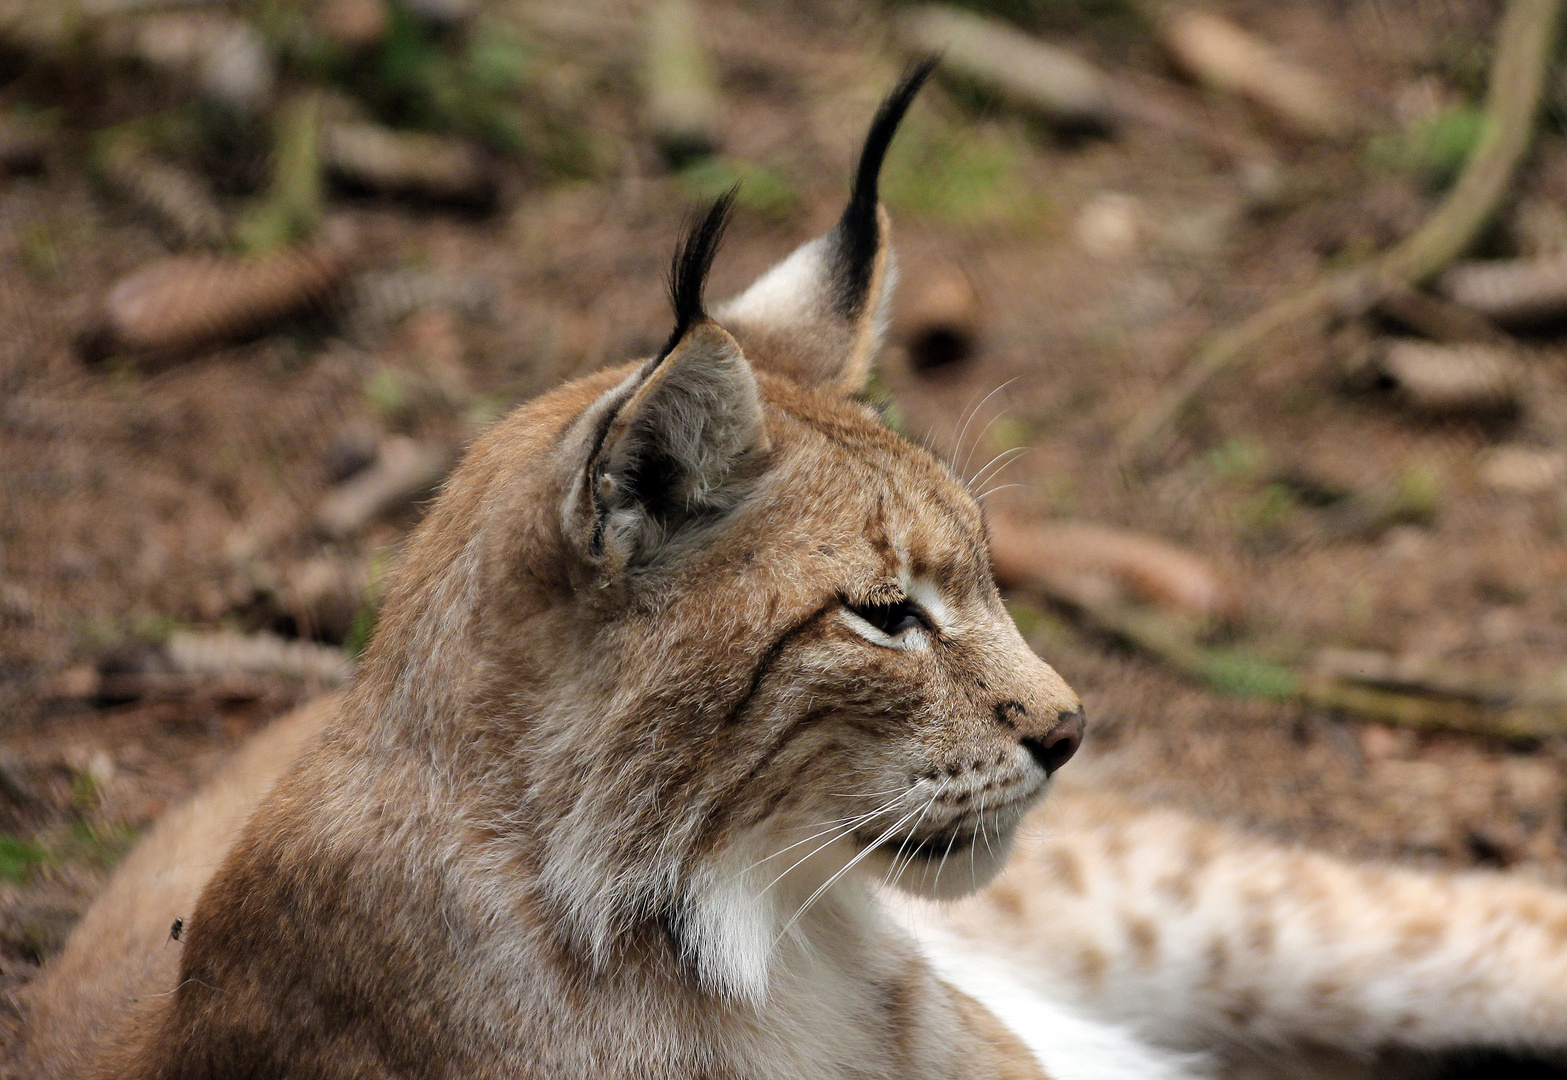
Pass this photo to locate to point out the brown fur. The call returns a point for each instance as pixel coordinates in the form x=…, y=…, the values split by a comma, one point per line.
x=626, y=660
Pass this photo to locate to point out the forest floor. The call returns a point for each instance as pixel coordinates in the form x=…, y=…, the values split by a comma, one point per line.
x=143, y=497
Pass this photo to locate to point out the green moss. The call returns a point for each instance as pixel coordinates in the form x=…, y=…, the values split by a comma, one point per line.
x=1237, y=459
x=1245, y=674
x=291, y=206
x=83, y=842
x=1026, y=617
x=965, y=173
x=18, y=858
x=388, y=394
x=1008, y=433
x=363, y=627
x=42, y=254
x=1434, y=150
x=84, y=790
x=761, y=190
x=1418, y=492
x=878, y=396
x=100, y=845
x=1268, y=509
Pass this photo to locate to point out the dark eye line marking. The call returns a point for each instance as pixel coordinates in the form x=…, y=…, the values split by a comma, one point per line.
x=770, y=656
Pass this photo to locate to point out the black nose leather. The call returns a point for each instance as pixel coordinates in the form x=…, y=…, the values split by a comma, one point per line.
x=1055, y=749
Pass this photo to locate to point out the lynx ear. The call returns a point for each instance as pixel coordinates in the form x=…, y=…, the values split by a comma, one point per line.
x=818, y=317
x=666, y=448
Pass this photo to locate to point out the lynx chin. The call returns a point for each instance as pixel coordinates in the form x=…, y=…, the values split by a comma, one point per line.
x=693, y=743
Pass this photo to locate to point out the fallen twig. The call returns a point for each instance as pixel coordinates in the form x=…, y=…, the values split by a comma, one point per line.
x=1465, y=706
x=403, y=470
x=224, y=652
x=1437, y=318
x=382, y=159
x=1059, y=85
x=1078, y=560
x=1524, y=47
x=1217, y=52
x=1513, y=291
x=1448, y=379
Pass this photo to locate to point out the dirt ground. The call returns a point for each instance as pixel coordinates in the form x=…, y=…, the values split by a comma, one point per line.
x=142, y=496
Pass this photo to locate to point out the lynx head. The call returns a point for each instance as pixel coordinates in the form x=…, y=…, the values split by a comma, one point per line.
x=716, y=645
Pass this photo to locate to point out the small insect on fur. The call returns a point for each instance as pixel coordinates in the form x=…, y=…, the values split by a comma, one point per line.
x=177, y=929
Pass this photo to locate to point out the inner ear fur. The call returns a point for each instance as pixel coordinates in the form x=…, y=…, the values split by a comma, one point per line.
x=672, y=449
x=819, y=316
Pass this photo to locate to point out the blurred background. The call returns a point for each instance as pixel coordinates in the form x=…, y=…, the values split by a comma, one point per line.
x=1246, y=319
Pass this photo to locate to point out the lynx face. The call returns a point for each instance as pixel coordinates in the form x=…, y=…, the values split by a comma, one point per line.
x=908, y=725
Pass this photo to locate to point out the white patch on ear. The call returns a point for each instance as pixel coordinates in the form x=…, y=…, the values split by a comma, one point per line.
x=788, y=295
x=790, y=318
x=728, y=929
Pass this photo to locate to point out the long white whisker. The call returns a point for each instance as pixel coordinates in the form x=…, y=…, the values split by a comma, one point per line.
x=957, y=443
x=823, y=846
x=834, y=825
x=979, y=436
x=831, y=826
x=994, y=466
x=969, y=412
x=838, y=834
x=985, y=835
x=982, y=496
x=979, y=821
x=953, y=839
x=850, y=865
x=893, y=871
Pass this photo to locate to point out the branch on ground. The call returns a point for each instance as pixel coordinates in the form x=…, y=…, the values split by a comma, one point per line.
x=1525, y=44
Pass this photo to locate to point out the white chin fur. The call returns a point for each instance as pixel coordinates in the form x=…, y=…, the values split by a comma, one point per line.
x=728, y=929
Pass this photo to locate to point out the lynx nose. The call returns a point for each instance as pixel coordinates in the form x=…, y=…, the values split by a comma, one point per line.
x=1055, y=749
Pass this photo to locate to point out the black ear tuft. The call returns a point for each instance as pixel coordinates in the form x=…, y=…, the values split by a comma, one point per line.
x=858, y=239
x=693, y=259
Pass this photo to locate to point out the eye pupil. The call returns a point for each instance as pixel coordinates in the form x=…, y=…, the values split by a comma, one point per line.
x=891, y=619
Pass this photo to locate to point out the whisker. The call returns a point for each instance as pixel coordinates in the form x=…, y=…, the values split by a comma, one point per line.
x=967, y=417
x=979, y=821
x=982, y=496
x=953, y=839
x=985, y=835
x=837, y=835
x=850, y=865
x=894, y=871
x=957, y=443
x=979, y=436
x=853, y=823
x=994, y=466
x=831, y=826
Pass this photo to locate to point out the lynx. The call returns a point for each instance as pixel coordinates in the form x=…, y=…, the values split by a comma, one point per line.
x=692, y=743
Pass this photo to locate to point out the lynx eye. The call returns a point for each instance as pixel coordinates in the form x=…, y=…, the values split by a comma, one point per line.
x=891, y=619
